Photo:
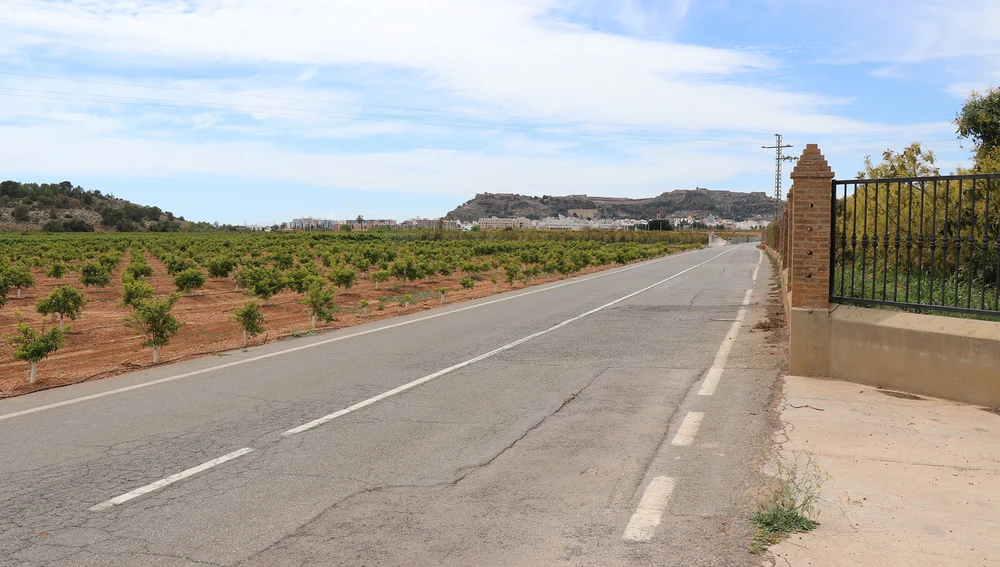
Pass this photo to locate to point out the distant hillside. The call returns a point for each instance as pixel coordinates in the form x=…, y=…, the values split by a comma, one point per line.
x=63, y=207
x=697, y=203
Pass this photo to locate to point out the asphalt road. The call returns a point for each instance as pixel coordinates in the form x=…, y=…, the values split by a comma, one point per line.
x=613, y=419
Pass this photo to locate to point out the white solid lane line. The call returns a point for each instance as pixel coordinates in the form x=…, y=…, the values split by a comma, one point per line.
x=642, y=525
x=320, y=421
x=688, y=429
x=169, y=480
x=328, y=341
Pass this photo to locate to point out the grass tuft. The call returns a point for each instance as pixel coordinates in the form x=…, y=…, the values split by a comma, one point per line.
x=790, y=506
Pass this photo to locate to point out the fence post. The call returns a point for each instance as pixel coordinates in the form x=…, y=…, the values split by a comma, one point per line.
x=808, y=259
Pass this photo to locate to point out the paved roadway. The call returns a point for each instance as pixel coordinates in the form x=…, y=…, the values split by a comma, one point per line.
x=574, y=441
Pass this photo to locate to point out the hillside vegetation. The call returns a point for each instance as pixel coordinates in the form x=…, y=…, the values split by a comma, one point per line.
x=697, y=203
x=63, y=207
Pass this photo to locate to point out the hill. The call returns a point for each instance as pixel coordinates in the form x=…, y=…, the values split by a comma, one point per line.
x=697, y=203
x=63, y=207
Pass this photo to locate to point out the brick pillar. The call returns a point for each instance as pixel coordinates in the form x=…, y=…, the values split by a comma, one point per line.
x=810, y=234
x=808, y=260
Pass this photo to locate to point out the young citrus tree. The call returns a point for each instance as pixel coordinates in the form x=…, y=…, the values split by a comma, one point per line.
x=380, y=276
x=57, y=270
x=34, y=345
x=343, y=276
x=137, y=266
x=319, y=299
x=221, y=266
x=442, y=291
x=20, y=277
x=364, y=307
x=189, y=280
x=135, y=291
x=5, y=284
x=153, y=320
x=65, y=301
x=467, y=284
x=251, y=320
x=95, y=274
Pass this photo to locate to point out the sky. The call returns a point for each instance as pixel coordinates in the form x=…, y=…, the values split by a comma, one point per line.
x=257, y=111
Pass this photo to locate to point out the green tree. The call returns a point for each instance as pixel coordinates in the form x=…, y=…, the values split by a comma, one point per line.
x=20, y=277
x=95, y=274
x=152, y=319
x=319, y=299
x=442, y=291
x=137, y=266
x=135, y=291
x=301, y=278
x=467, y=284
x=56, y=270
x=262, y=282
x=189, y=280
x=364, y=307
x=979, y=120
x=379, y=276
x=220, y=267
x=342, y=276
x=65, y=301
x=913, y=161
x=494, y=279
x=34, y=345
x=250, y=319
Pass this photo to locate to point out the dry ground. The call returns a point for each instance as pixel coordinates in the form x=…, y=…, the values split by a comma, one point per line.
x=99, y=345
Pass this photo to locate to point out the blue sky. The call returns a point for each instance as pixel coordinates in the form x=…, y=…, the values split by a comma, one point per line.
x=256, y=111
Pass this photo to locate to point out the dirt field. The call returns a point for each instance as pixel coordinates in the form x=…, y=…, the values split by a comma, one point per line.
x=99, y=345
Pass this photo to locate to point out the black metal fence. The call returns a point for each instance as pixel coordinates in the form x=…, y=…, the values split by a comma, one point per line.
x=922, y=243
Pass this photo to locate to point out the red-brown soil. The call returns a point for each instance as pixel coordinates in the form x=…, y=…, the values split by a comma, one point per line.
x=99, y=345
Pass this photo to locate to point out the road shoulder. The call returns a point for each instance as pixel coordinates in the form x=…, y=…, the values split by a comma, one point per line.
x=914, y=481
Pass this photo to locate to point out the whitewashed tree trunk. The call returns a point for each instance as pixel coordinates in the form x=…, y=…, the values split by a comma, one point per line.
x=365, y=310
x=442, y=299
x=156, y=353
x=18, y=293
x=244, y=338
x=34, y=371
x=61, y=323
x=314, y=322
x=376, y=284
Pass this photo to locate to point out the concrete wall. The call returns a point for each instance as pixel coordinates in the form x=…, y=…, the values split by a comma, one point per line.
x=944, y=357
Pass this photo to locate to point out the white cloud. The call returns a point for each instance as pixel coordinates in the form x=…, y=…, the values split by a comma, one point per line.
x=506, y=54
x=501, y=56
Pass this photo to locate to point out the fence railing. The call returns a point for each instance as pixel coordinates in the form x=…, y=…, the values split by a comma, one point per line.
x=924, y=243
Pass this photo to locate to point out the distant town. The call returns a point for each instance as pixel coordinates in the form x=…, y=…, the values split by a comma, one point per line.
x=578, y=219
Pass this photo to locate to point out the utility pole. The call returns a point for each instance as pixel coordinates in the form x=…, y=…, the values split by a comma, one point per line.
x=778, y=158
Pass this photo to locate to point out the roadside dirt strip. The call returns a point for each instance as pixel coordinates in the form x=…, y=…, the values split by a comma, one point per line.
x=620, y=419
